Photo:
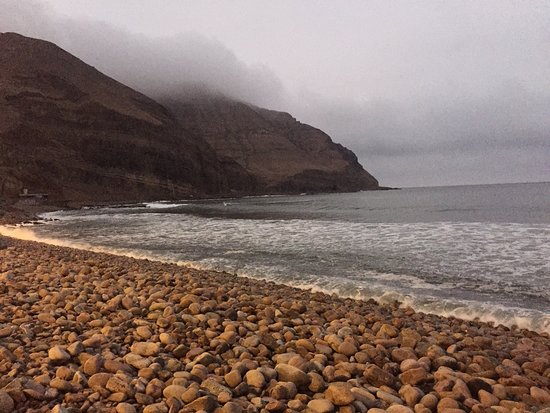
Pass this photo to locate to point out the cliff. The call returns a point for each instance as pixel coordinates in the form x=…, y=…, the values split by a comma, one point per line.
x=73, y=132
x=69, y=130
x=282, y=154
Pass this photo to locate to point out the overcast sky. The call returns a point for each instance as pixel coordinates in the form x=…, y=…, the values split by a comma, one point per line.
x=424, y=92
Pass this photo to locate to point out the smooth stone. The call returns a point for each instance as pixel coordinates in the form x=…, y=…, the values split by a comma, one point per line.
x=125, y=408
x=145, y=348
x=283, y=391
x=290, y=373
x=340, y=394
x=99, y=381
x=206, y=359
x=321, y=406
x=156, y=408
x=488, y=399
x=411, y=395
x=399, y=409
x=206, y=403
x=347, y=349
x=233, y=378
x=174, y=390
x=58, y=354
x=231, y=407
x=540, y=395
x=388, y=397
x=255, y=378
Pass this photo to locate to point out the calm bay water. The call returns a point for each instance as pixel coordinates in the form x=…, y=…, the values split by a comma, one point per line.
x=468, y=251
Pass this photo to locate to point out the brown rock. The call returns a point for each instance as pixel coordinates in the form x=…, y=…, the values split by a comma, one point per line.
x=206, y=359
x=125, y=408
x=99, y=381
x=363, y=395
x=411, y=395
x=403, y=353
x=540, y=395
x=308, y=345
x=414, y=376
x=58, y=355
x=119, y=384
x=387, y=331
x=447, y=403
x=487, y=399
x=174, y=390
x=275, y=406
x=145, y=348
x=62, y=385
x=286, y=372
x=430, y=400
x=6, y=403
x=339, y=394
x=283, y=391
x=233, y=378
x=156, y=408
x=214, y=387
x=347, y=348
x=388, y=397
x=378, y=377
x=144, y=332
x=255, y=378
x=321, y=406
x=93, y=365
x=206, y=403
x=155, y=388
x=396, y=408
x=231, y=407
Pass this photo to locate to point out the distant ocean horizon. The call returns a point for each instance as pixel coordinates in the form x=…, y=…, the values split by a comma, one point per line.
x=476, y=184
x=469, y=251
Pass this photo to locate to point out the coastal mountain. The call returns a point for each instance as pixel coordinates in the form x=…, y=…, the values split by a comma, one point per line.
x=73, y=132
x=69, y=130
x=283, y=154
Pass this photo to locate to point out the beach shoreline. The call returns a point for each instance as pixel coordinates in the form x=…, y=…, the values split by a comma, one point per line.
x=97, y=332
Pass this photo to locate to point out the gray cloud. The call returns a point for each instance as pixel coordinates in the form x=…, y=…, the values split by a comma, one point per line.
x=155, y=66
x=425, y=93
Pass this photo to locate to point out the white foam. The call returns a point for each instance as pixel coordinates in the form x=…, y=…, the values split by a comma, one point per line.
x=464, y=270
x=162, y=205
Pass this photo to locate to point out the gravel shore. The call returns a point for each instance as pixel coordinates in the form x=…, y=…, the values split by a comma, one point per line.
x=82, y=331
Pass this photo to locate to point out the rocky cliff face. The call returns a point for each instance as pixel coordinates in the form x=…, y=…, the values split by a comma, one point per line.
x=282, y=154
x=69, y=130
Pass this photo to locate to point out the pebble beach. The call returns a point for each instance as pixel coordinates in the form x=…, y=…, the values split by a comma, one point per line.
x=91, y=332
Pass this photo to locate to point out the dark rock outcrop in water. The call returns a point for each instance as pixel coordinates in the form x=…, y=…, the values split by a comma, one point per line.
x=71, y=131
x=282, y=154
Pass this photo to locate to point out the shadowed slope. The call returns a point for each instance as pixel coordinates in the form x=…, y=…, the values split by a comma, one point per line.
x=67, y=129
x=283, y=154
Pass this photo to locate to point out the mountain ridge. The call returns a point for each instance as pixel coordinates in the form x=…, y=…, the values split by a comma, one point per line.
x=72, y=131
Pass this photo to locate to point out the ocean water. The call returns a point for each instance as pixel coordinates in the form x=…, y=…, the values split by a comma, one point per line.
x=466, y=251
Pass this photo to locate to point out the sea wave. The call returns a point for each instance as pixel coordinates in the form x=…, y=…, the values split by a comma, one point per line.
x=462, y=309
